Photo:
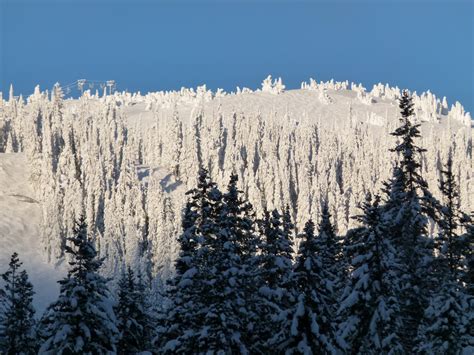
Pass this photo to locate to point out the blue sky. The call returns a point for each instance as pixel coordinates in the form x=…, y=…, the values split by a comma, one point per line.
x=154, y=45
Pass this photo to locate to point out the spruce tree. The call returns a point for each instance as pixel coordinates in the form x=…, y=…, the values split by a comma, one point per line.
x=82, y=320
x=329, y=251
x=448, y=320
x=225, y=314
x=468, y=278
x=369, y=308
x=274, y=276
x=407, y=211
x=187, y=291
x=276, y=252
x=306, y=325
x=451, y=245
x=176, y=332
x=133, y=321
x=17, y=323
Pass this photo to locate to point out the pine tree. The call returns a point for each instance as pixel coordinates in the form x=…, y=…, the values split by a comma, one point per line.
x=17, y=323
x=133, y=321
x=306, y=326
x=82, y=320
x=369, y=308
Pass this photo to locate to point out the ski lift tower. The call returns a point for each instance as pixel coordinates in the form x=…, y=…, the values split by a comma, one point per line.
x=111, y=85
x=80, y=85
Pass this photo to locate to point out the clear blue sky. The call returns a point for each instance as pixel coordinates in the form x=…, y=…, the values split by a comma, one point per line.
x=154, y=45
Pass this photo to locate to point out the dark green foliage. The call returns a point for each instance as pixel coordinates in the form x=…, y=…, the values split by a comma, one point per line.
x=82, y=320
x=133, y=319
x=306, y=324
x=369, y=308
x=17, y=323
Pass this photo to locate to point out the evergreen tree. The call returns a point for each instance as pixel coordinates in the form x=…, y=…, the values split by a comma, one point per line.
x=276, y=252
x=274, y=276
x=329, y=251
x=452, y=246
x=133, y=321
x=448, y=320
x=82, y=320
x=17, y=323
x=369, y=308
x=225, y=313
x=306, y=326
x=187, y=292
x=468, y=278
x=406, y=213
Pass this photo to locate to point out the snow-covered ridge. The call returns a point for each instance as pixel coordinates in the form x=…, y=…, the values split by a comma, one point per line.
x=126, y=159
x=428, y=107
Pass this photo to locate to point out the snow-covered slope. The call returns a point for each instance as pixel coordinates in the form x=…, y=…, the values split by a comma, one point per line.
x=20, y=220
x=126, y=160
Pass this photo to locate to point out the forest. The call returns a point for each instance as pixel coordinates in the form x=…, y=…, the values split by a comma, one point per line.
x=385, y=268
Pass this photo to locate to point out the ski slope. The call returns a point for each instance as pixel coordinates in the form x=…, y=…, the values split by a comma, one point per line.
x=20, y=216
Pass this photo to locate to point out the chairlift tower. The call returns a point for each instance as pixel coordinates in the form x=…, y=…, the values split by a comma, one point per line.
x=80, y=85
x=111, y=85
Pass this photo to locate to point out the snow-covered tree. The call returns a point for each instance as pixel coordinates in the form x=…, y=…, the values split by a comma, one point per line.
x=275, y=259
x=184, y=315
x=17, y=322
x=329, y=253
x=407, y=211
x=369, y=308
x=448, y=320
x=133, y=319
x=452, y=246
x=82, y=320
x=306, y=326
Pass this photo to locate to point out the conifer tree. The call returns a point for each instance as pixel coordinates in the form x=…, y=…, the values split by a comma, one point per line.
x=329, y=251
x=276, y=251
x=177, y=321
x=452, y=247
x=274, y=276
x=406, y=213
x=187, y=289
x=238, y=223
x=448, y=320
x=133, y=321
x=225, y=312
x=82, y=320
x=17, y=323
x=306, y=326
x=468, y=278
x=369, y=308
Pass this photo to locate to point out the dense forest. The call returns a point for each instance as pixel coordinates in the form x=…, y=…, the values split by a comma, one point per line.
x=397, y=279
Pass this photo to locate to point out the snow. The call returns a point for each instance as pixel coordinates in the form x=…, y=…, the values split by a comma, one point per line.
x=327, y=140
x=20, y=216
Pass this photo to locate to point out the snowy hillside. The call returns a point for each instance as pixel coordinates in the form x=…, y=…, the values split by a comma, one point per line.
x=126, y=160
x=20, y=220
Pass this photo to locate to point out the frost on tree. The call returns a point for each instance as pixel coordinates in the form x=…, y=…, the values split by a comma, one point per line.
x=93, y=154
